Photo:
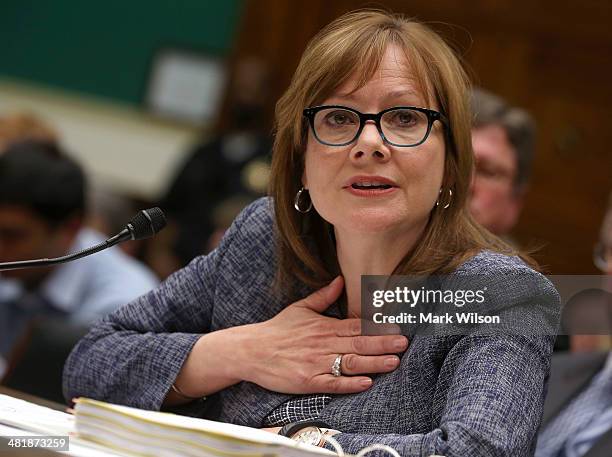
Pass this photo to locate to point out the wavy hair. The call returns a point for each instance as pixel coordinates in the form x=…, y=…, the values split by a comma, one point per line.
x=356, y=43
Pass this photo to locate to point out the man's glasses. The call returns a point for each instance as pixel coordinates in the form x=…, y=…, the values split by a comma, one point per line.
x=492, y=172
x=402, y=126
x=602, y=257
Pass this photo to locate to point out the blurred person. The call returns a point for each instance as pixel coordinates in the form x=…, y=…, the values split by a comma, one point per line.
x=371, y=169
x=233, y=163
x=602, y=254
x=503, y=140
x=602, y=259
x=42, y=209
x=577, y=420
x=18, y=127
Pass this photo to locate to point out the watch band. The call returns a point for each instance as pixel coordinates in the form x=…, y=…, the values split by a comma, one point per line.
x=292, y=428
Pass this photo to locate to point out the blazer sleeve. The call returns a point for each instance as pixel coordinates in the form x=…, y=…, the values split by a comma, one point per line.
x=489, y=401
x=133, y=355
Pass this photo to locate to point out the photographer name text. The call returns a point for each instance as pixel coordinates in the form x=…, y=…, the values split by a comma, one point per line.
x=431, y=318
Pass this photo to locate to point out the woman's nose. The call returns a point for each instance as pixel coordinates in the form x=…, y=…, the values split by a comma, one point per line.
x=370, y=144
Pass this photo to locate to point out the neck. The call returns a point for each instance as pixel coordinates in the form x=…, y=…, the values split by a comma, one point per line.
x=369, y=254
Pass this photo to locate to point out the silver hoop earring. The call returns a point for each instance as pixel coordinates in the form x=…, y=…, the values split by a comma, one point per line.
x=450, y=198
x=298, y=197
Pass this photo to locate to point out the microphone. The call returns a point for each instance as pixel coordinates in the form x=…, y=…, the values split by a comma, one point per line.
x=144, y=225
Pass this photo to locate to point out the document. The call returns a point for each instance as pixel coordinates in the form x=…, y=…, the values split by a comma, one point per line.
x=134, y=431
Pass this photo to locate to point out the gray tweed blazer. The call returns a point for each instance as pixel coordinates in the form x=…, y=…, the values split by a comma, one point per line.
x=457, y=396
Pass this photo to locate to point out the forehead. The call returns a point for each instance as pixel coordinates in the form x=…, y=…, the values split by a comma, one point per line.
x=18, y=216
x=393, y=80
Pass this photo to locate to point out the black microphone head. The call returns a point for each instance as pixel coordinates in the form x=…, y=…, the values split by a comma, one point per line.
x=147, y=223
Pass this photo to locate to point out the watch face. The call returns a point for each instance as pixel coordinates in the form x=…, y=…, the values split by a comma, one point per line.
x=309, y=435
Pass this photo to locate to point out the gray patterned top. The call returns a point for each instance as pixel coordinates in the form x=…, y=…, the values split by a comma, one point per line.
x=457, y=396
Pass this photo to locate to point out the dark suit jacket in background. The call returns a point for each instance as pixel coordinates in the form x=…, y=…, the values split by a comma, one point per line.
x=570, y=374
x=457, y=396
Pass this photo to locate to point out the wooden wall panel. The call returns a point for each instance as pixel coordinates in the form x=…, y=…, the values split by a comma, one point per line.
x=552, y=58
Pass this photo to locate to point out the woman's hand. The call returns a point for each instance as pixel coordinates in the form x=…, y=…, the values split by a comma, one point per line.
x=291, y=353
x=294, y=351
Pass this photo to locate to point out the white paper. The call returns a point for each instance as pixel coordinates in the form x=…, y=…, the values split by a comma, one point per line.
x=34, y=418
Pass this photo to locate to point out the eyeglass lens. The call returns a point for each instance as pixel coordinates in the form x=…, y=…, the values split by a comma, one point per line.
x=402, y=126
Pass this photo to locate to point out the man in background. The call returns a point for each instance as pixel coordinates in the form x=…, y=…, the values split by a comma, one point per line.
x=503, y=140
x=577, y=420
x=42, y=208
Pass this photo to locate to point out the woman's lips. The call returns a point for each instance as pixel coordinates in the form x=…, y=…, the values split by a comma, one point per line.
x=370, y=186
x=371, y=192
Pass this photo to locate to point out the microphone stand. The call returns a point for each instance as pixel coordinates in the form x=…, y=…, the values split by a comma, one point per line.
x=145, y=224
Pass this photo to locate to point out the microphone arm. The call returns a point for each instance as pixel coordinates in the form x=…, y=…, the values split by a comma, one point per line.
x=144, y=225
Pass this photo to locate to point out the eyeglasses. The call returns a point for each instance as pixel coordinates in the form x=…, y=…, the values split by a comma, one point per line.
x=493, y=173
x=602, y=257
x=402, y=126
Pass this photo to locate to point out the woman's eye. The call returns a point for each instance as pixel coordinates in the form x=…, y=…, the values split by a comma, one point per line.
x=339, y=118
x=405, y=118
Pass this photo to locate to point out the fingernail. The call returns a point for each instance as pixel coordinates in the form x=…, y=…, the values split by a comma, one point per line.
x=391, y=362
x=365, y=382
x=400, y=343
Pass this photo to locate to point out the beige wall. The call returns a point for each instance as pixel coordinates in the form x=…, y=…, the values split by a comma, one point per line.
x=118, y=145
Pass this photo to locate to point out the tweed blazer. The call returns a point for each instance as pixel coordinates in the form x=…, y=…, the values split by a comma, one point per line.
x=457, y=396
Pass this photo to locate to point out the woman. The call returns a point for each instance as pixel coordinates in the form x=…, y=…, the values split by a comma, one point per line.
x=353, y=194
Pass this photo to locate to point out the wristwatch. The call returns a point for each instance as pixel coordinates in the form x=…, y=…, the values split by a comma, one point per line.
x=307, y=431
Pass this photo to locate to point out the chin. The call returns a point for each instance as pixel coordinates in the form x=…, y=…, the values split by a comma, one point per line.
x=369, y=220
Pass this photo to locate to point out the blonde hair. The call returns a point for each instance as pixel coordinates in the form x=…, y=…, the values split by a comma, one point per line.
x=356, y=43
x=18, y=127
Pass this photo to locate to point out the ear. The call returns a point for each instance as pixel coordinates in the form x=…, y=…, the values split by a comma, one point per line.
x=304, y=180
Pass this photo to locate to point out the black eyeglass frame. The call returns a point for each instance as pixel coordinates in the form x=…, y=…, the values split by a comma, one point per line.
x=432, y=116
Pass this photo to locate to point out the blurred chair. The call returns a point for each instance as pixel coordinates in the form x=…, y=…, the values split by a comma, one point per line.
x=36, y=364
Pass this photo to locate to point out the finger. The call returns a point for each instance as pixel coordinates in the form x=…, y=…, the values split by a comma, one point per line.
x=348, y=327
x=353, y=364
x=368, y=345
x=354, y=327
x=383, y=329
x=326, y=383
x=320, y=300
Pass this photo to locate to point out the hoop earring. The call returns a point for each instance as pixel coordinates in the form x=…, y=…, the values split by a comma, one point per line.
x=296, y=201
x=450, y=198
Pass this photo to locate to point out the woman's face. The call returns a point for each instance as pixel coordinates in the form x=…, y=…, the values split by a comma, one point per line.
x=335, y=175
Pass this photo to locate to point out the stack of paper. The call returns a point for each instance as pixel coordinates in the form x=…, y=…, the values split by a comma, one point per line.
x=100, y=429
x=138, y=432
x=34, y=418
x=25, y=419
